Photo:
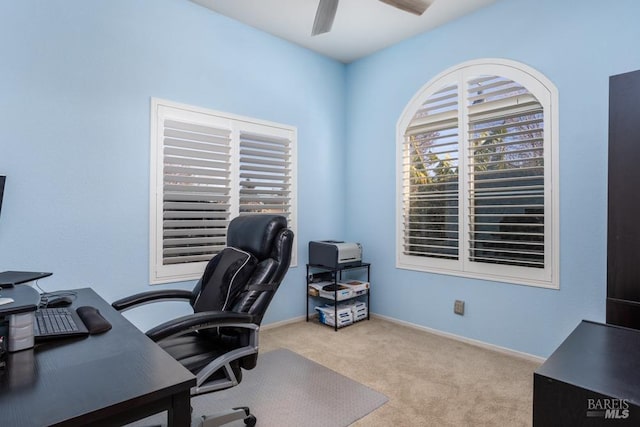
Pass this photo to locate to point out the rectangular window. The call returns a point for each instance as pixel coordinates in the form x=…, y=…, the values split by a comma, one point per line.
x=208, y=167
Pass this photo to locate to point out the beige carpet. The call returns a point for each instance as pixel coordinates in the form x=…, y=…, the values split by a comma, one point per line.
x=429, y=380
x=286, y=389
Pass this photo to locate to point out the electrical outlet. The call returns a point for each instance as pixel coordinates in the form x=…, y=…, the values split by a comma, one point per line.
x=458, y=307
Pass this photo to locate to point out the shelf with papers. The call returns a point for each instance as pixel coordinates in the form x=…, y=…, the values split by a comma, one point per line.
x=346, y=300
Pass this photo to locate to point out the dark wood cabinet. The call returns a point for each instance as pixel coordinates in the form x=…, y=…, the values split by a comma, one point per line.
x=623, y=241
x=590, y=380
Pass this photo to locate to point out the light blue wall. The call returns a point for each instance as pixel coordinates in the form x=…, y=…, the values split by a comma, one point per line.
x=577, y=45
x=76, y=79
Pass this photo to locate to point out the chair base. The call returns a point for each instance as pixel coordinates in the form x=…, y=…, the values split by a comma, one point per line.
x=222, y=418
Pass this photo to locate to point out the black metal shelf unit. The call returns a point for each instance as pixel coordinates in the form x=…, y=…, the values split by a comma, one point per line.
x=336, y=276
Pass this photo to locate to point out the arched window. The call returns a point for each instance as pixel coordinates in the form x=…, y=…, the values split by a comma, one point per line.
x=478, y=175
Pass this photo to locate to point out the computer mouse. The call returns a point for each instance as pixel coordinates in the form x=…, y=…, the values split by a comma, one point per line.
x=61, y=301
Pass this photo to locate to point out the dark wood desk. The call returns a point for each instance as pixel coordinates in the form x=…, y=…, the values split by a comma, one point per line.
x=592, y=379
x=108, y=379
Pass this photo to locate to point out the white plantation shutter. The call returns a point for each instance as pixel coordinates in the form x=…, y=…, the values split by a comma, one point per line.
x=265, y=174
x=196, y=191
x=430, y=179
x=506, y=173
x=478, y=181
x=207, y=168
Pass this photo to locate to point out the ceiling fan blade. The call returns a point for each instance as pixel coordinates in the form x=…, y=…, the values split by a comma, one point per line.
x=324, y=16
x=417, y=7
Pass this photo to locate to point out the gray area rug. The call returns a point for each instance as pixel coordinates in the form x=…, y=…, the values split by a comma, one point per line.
x=287, y=389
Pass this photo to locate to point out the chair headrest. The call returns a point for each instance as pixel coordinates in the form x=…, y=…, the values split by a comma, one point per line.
x=255, y=233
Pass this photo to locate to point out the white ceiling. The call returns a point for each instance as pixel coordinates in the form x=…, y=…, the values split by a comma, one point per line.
x=361, y=27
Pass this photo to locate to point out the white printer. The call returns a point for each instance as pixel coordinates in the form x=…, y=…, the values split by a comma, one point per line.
x=334, y=253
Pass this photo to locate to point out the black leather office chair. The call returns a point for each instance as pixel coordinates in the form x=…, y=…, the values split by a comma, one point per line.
x=220, y=338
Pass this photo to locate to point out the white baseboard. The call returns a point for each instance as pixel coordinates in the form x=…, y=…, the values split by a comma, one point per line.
x=283, y=322
x=503, y=350
x=477, y=343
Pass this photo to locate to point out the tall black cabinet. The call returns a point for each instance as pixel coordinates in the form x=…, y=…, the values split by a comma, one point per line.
x=623, y=240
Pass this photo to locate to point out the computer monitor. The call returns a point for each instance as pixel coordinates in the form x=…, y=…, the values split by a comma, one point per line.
x=2, y=180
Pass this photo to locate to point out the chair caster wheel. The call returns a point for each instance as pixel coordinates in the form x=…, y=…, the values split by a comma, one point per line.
x=250, y=421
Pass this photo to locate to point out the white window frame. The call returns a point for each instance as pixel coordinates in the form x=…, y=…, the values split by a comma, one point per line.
x=545, y=91
x=235, y=125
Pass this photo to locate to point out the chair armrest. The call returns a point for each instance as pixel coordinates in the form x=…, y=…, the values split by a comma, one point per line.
x=136, y=300
x=202, y=320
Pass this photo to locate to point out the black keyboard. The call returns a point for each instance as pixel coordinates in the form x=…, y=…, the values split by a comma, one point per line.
x=59, y=321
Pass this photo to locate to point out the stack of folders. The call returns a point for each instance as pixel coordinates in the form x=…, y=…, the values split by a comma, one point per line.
x=329, y=290
x=340, y=291
x=359, y=310
x=327, y=315
x=347, y=313
x=357, y=287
